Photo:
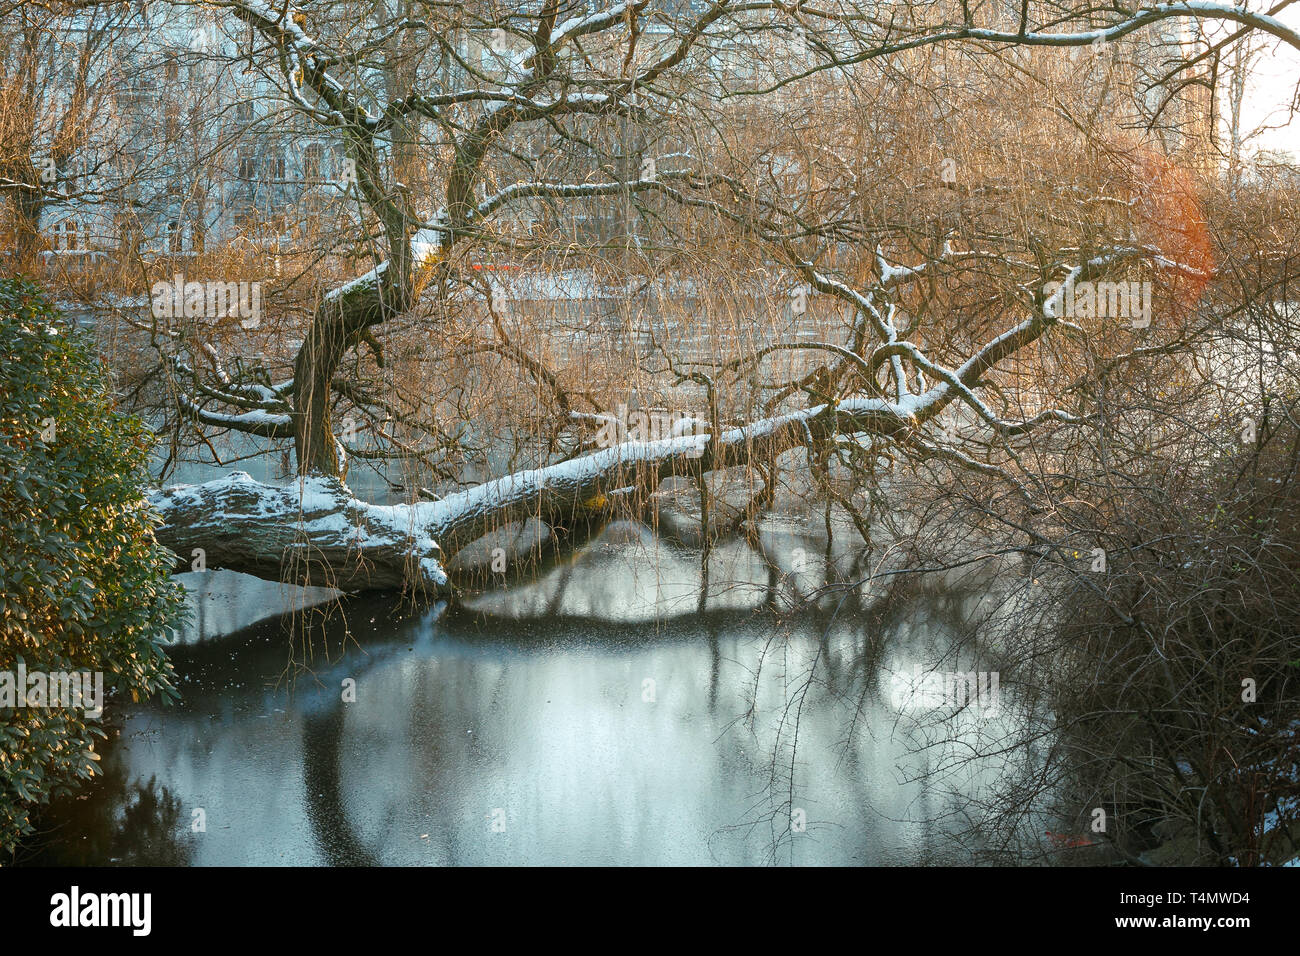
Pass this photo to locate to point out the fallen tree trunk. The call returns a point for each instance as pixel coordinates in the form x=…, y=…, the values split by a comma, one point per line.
x=311, y=531
x=283, y=533
x=286, y=533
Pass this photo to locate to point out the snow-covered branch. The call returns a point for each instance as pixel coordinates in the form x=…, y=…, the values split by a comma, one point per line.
x=312, y=529
x=572, y=190
x=253, y=422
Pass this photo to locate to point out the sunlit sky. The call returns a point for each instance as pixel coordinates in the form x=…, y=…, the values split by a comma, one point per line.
x=1268, y=100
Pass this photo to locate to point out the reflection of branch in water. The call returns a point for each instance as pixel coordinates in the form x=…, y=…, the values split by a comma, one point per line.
x=984, y=782
x=140, y=824
x=322, y=735
x=152, y=820
x=975, y=786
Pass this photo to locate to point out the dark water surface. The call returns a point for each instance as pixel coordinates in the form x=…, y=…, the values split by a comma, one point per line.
x=595, y=715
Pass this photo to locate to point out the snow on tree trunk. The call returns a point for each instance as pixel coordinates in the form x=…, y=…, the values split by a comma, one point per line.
x=314, y=530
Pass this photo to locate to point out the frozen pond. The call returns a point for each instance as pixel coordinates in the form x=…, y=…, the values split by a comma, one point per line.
x=595, y=715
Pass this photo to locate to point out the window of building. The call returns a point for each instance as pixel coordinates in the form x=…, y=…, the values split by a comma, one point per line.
x=313, y=161
x=68, y=234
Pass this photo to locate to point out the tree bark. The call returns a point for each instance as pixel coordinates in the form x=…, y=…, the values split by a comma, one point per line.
x=335, y=328
x=311, y=531
x=314, y=530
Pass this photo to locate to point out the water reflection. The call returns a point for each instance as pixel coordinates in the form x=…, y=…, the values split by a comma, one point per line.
x=590, y=716
x=223, y=602
x=136, y=824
